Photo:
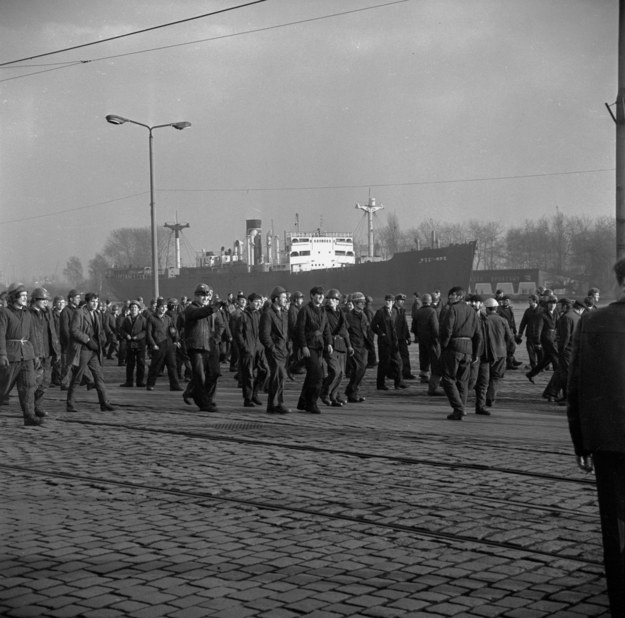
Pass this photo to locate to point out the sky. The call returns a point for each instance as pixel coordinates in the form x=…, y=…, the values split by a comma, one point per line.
x=442, y=110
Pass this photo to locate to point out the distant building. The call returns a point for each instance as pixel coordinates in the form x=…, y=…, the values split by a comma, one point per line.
x=515, y=281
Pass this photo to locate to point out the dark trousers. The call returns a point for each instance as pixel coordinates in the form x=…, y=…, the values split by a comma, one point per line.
x=164, y=356
x=424, y=358
x=404, y=353
x=456, y=370
x=358, y=367
x=534, y=353
x=21, y=373
x=389, y=364
x=204, y=372
x=311, y=389
x=277, y=377
x=89, y=364
x=43, y=376
x=550, y=355
x=610, y=476
x=489, y=374
x=135, y=357
x=335, y=368
x=253, y=373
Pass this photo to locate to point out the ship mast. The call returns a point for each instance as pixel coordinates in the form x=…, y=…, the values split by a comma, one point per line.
x=176, y=228
x=370, y=208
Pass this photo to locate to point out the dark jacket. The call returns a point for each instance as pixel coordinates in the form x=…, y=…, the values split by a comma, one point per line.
x=384, y=325
x=338, y=329
x=84, y=327
x=359, y=329
x=425, y=325
x=45, y=340
x=203, y=327
x=16, y=334
x=458, y=329
x=497, y=337
x=246, y=331
x=596, y=389
x=530, y=324
x=161, y=331
x=312, y=329
x=274, y=332
x=137, y=329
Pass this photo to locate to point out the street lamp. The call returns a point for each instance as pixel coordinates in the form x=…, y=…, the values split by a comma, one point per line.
x=113, y=119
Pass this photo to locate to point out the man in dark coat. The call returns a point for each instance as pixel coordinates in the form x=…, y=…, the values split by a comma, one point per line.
x=546, y=331
x=460, y=341
x=253, y=370
x=425, y=328
x=295, y=363
x=384, y=325
x=361, y=338
x=203, y=330
x=87, y=350
x=274, y=336
x=596, y=415
x=46, y=343
x=312, y=333
x=17, y=353
x=341, y=347
x=403, y=337
x=134, y=330
x=162, y=340
x=530, y=326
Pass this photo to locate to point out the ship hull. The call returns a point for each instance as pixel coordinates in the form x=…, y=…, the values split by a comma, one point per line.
x=405, y=272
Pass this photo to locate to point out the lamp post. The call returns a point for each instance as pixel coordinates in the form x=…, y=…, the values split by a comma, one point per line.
x=176, y=125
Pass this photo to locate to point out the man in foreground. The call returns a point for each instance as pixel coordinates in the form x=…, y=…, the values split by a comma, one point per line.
x=596, y=414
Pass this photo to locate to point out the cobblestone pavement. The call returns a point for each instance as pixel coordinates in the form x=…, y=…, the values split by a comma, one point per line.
x=377, y=509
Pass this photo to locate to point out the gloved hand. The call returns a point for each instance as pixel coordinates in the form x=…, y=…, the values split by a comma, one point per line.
x=92, y=345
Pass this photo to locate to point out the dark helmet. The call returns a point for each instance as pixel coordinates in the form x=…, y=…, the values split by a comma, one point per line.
x=333, y=293
x=277, y=291
x=40, y=294
x=15, y=289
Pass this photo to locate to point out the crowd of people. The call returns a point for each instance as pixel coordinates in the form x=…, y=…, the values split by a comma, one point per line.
x=465, y=344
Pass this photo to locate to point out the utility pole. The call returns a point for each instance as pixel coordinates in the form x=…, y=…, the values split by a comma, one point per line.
x=620, y=138
x=370, y=208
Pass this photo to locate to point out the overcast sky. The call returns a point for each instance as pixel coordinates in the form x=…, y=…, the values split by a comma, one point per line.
x=447, y=109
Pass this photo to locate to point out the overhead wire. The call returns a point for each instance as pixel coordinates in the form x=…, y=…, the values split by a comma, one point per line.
x=314, y=188
x=135, y=32
x=214, y=38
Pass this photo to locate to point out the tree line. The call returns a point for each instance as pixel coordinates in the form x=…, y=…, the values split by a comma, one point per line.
x=578, y=249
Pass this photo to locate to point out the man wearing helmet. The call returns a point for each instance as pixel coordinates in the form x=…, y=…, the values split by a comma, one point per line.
x=46, y=344
x=361, y=338
x=87, y=350
x=496, y=337
x=17, y=354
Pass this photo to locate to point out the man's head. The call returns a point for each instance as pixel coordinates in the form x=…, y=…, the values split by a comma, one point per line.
x=532, y=301
x=455, y=294
x=333, y=298
x=241, y=300
x=254, y=301
x=40, y=298
x=400, y=299
x=317, y=294
x=426, y=299
x=279, y=296
x=477, y=301
x=134, y=308
x=358, y=300
x=17, y=295
x=203, y=294
x=491, y=305
x=91, y=300
x=388, y=301
x=73, y=297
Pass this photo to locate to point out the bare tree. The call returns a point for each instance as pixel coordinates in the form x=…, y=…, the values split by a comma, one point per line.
x=73, y=271
x=128, y=247
x=97, y=272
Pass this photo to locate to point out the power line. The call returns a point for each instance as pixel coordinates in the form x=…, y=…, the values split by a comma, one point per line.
x=393, y=184
x=121, y=36
x=215, y=38
x=314, y=188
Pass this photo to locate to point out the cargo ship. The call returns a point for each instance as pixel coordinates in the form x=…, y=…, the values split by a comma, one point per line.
x=308, y=259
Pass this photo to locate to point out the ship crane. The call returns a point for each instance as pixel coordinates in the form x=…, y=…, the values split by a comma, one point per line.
x=176, y=229
x=370, y=208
